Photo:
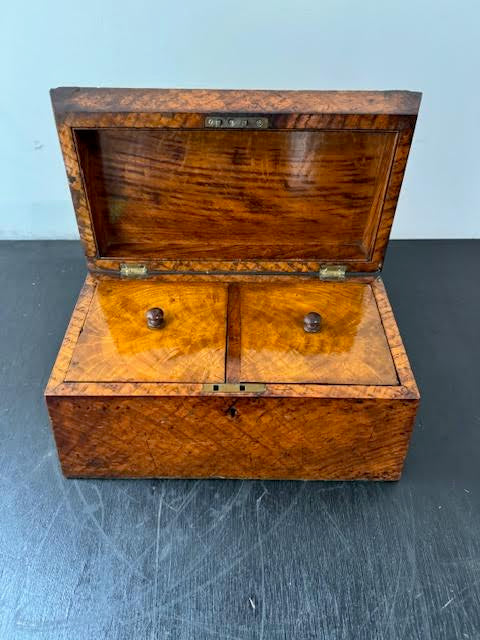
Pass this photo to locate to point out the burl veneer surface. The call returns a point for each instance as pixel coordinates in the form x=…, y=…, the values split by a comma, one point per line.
x=116, y=344
x=351, y=347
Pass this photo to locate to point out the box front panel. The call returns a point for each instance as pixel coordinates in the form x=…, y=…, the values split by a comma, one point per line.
x=296, y=438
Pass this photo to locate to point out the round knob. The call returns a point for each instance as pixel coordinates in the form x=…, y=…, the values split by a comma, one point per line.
x=312, y=322
x=155, y=319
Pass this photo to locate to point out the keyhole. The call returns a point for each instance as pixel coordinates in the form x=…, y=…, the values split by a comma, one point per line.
x=232, y=412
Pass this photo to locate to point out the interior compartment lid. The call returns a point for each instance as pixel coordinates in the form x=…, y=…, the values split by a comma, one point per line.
x=254, y=181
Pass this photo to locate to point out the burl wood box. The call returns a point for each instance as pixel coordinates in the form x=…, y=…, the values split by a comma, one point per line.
x=233, y=322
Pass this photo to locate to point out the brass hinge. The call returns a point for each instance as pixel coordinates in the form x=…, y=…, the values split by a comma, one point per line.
x=332, y=272
x=241, y=387
x=133, y=270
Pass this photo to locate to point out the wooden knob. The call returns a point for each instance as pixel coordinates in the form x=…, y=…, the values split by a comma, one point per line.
x=155, y=319
x=312, y=322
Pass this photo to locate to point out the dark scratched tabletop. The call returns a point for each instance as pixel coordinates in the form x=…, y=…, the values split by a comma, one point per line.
x=183, y=560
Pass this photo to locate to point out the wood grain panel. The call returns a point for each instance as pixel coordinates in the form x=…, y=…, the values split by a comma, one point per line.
x=261, y=438
x=106, y=101
x=351, y=347
x=115, y=344
x=241, y=195
x=234, y=322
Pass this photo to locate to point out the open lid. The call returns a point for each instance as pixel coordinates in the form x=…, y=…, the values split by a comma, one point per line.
x=244, y=181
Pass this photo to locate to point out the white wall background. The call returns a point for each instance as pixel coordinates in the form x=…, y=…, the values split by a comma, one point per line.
x=427, y=45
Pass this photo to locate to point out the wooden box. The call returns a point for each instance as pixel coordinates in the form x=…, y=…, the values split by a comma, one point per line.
x=239, y=214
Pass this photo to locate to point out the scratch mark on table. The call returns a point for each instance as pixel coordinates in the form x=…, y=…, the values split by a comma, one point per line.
x=465, y=592
x=411, y=553
x=100, y=505
x=188, y=498
x=157, y=552
x=262, y=564
x=76, y=523
x=34, y=554
x=339, y=532
x=40, y=462
x=243, y=555
x=388, y=617
x=200, y=557
x=105, y=537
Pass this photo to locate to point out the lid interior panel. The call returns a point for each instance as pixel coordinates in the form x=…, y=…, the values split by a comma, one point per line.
x=201, y=194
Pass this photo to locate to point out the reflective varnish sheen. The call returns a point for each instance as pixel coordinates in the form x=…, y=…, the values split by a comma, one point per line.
x=241, y=194
x=117, y=345
x=350, y=347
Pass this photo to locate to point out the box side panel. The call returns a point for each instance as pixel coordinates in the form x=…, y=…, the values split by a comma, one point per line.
x=201, y=437
x=392, y=333
x=74, y=329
